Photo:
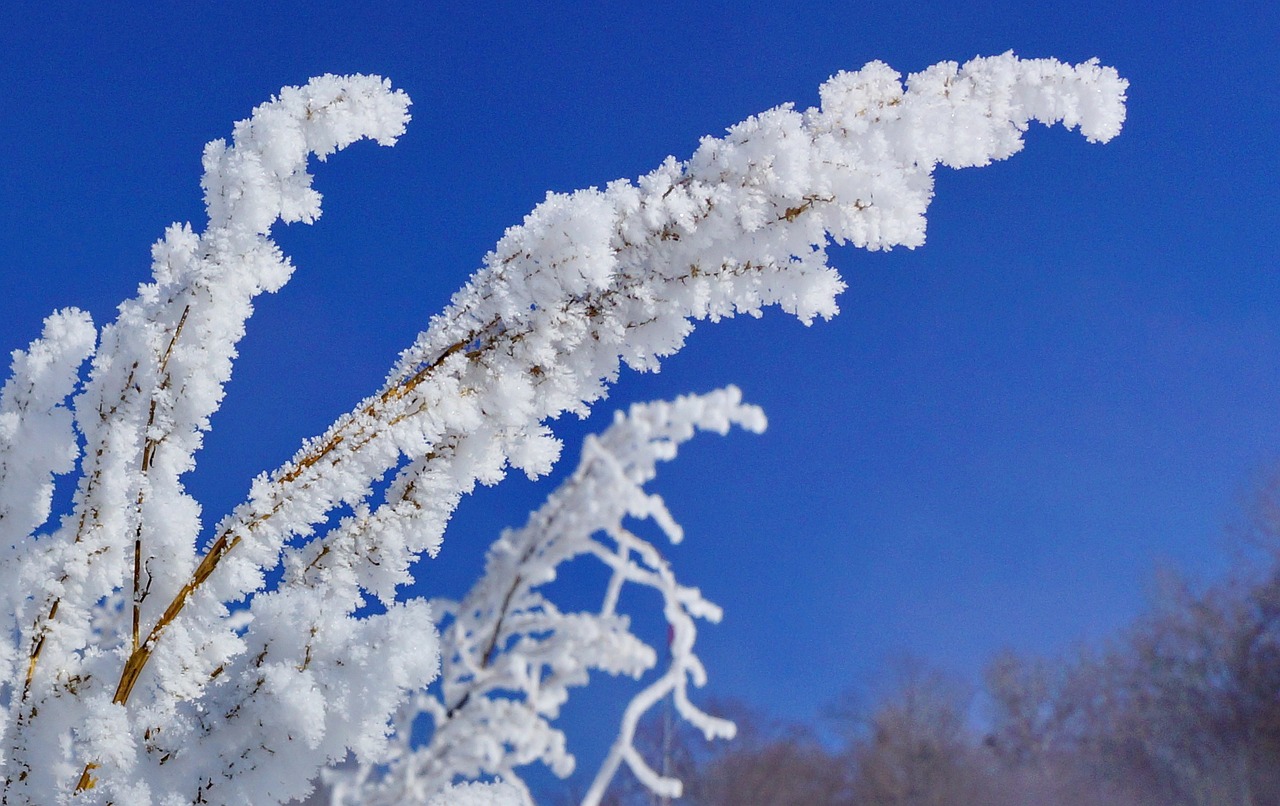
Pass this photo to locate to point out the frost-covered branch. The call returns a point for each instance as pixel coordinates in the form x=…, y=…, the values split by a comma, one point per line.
x=144, y=664
x=37, y=443
x=130, y=544
x=510, y=655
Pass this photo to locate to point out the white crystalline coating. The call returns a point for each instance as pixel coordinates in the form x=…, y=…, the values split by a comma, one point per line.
x=157, y=376
x=510, y=656
x=146, y=665
x=37, y=437
x=499, y=794
x=37, y=443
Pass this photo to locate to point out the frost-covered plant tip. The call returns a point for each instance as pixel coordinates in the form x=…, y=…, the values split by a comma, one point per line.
x=145, y=657
x=509, y=655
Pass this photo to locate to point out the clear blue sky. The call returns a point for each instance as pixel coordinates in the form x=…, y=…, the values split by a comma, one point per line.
x=998, y=441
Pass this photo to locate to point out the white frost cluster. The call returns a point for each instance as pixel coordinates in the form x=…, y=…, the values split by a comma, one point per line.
x=510, y=656
x=144, y=664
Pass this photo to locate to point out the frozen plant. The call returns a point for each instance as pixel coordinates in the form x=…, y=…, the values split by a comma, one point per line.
x=145, y=656
x=509, y=655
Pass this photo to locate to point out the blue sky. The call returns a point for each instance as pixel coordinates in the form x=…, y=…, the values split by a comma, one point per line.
x=996, y=444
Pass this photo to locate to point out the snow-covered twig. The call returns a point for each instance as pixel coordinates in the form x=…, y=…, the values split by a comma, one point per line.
x=510, y=655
